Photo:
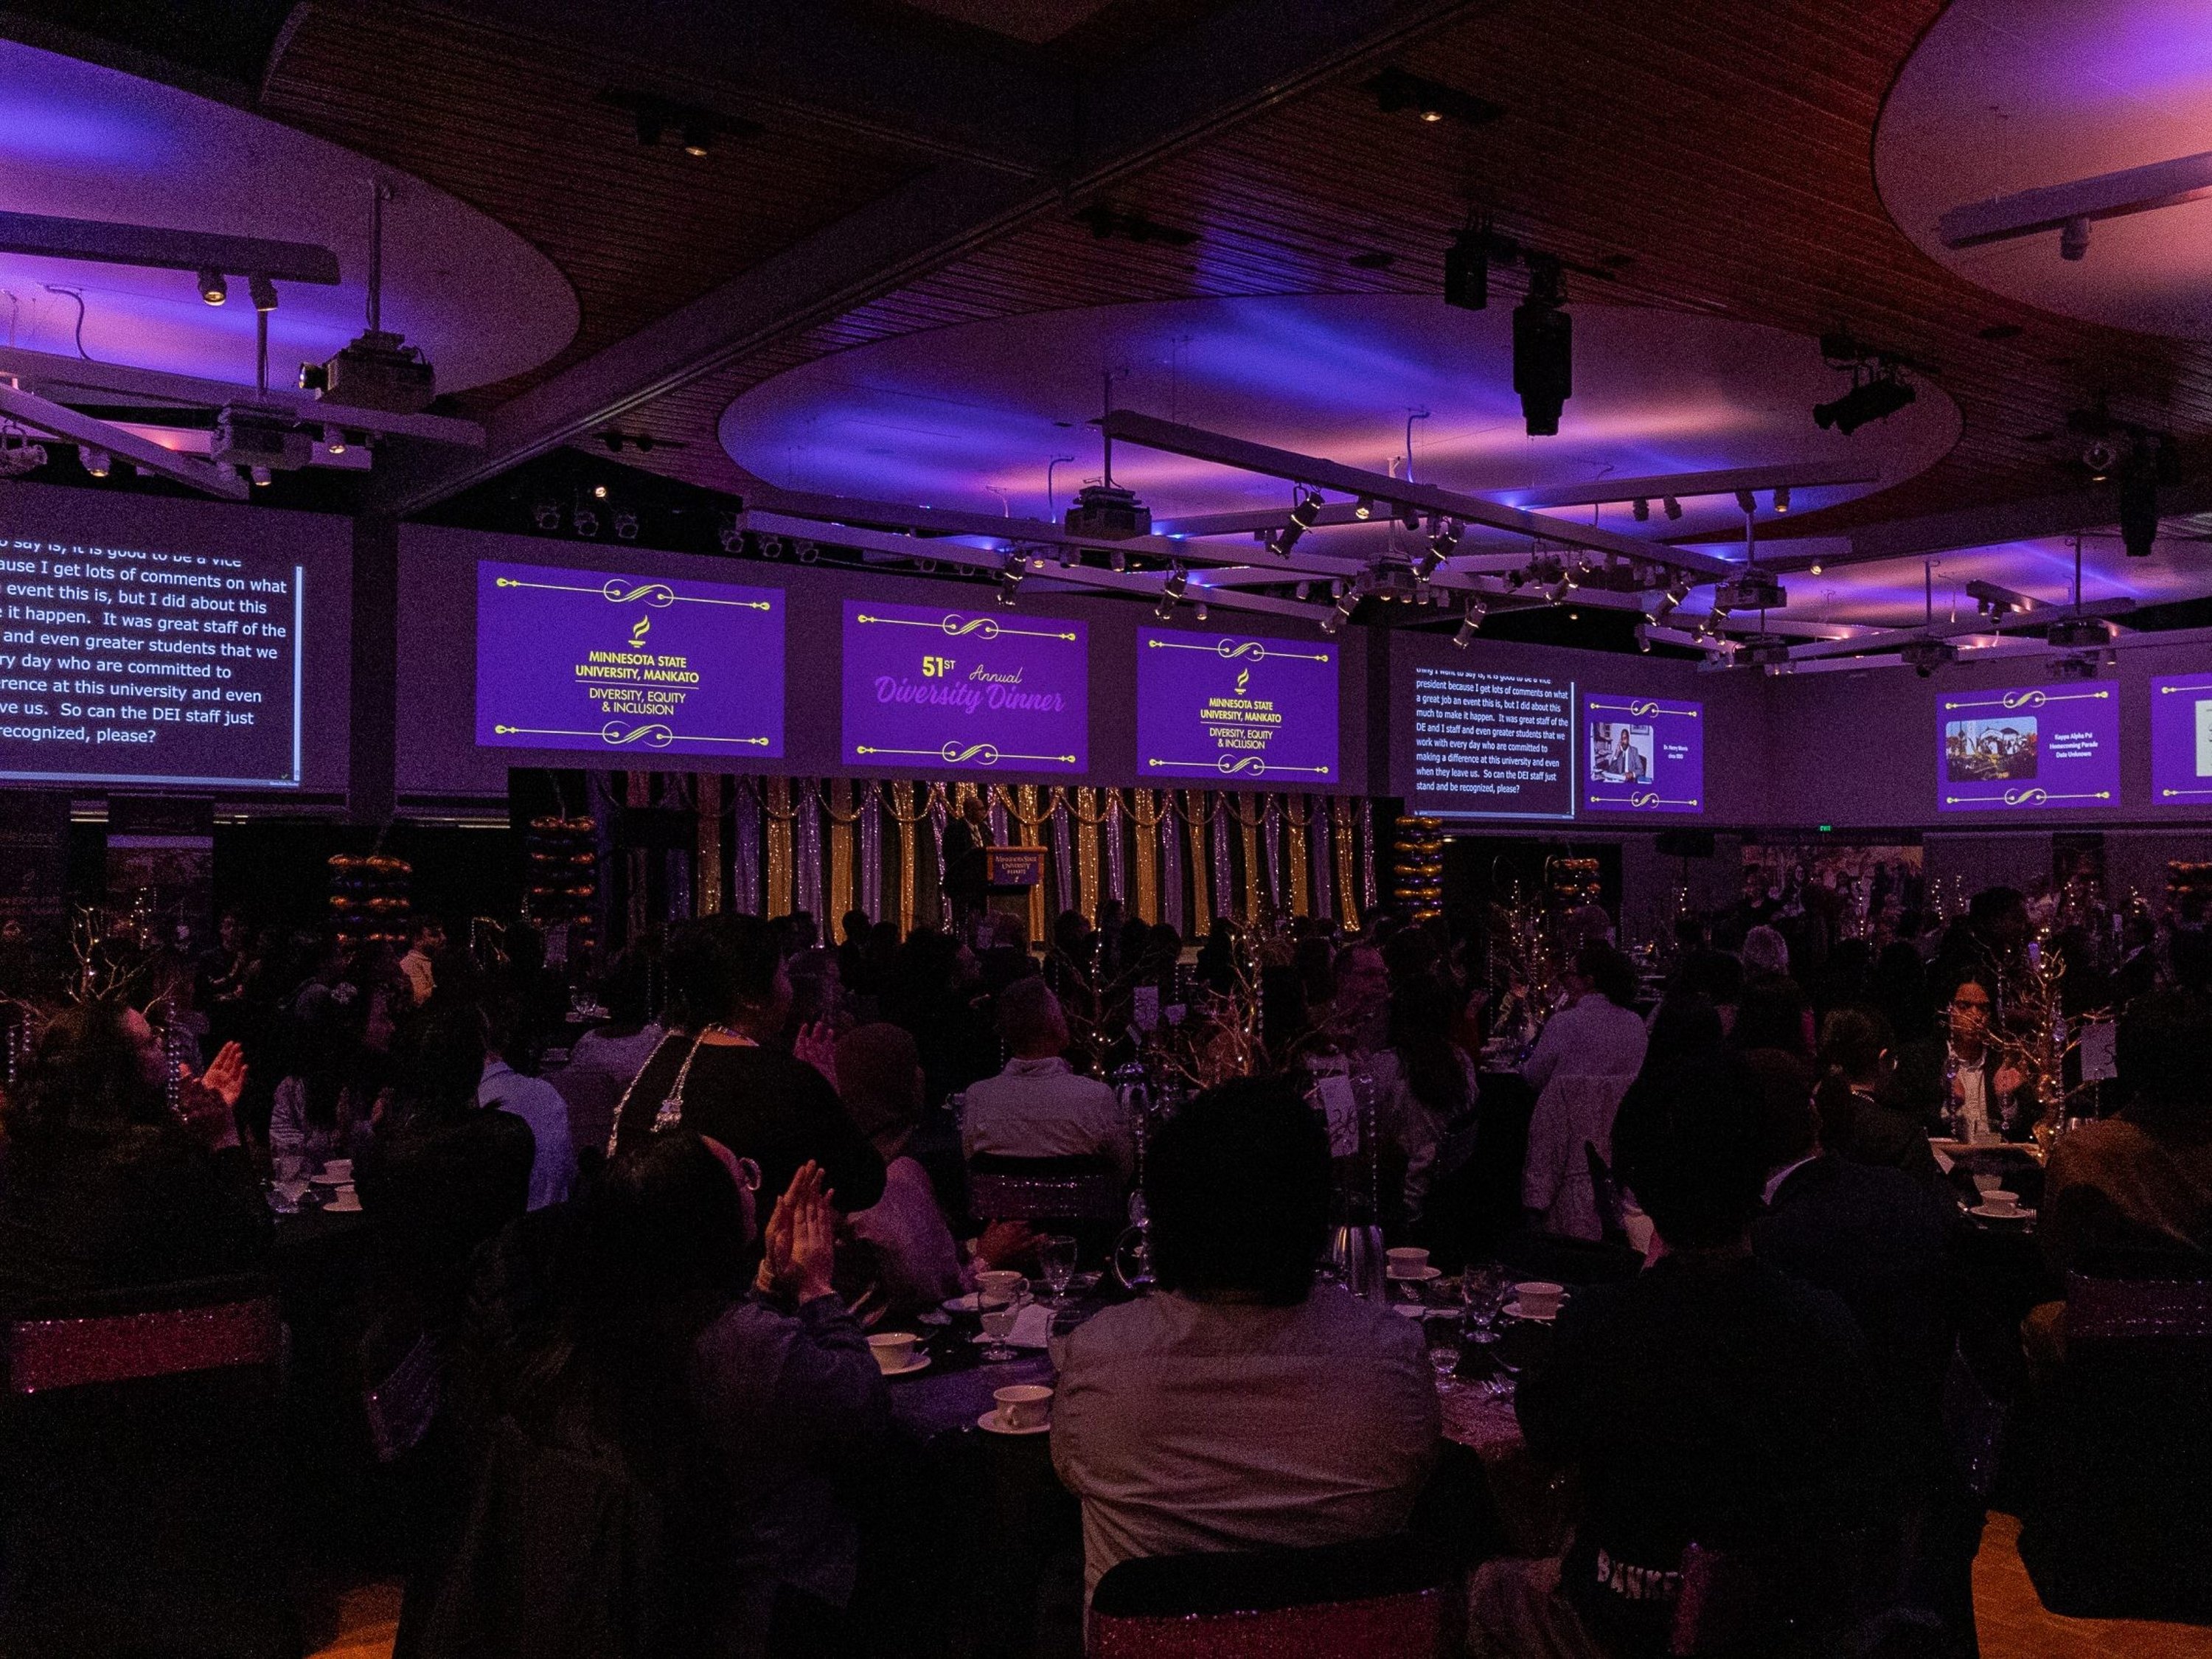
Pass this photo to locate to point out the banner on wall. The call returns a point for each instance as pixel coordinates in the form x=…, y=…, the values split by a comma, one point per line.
x=626, y=666
x=924, y=686
x=1216, y=707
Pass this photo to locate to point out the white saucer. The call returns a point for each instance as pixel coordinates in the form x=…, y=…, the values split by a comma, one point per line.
x=1512, y=1310
x=1420, y=1275
x=1987, y=1214
x=989, y=1422
x=342, y=1207
x=918, y=1362
x=962, y=1304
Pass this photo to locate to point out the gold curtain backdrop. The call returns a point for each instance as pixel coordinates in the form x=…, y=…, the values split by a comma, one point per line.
x=908, y=844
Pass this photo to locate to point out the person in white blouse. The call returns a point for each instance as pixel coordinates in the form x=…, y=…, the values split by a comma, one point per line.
x=1589, y=1052
x=1599, y=1033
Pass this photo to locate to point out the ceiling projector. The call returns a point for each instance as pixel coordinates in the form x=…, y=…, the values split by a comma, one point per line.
x=1110, y=513
x=377, y=370
x=2080, y=634
x=1924, y=657
x=1752, y=591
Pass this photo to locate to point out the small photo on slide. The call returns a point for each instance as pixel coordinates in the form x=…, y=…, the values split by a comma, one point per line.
x=1620, y=752
x=2000, y=750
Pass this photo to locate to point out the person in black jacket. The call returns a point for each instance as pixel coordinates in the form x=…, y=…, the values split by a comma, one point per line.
x=1860, y=1120
x=104, y=1188
x=966, y=879
x=1711, y=1400
x=728, y=996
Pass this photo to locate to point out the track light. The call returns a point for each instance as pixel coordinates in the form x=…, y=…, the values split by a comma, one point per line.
x=598, y=492
x=96, y=462
x=1468, y=623
x=1340, y=613
x=1177, y=584
x=587, y=522
x=548, y=516
x=771, y=547
x=1302, y=519
x=1746, y=502
x=1644, y=637
x=1872, y=400
x=732, y=538
x=1363, y=509
x=1199, y=610
x=1673, y=507
x=213, y=288
x=263, y=292
x=1117, y=560
x=334, y=441
x=1782, y=498
x=1642, y=509
x=1658, y=605
x=809, y=552
x=1013, y=568
x=698, y=138
x=626, y=526
x=1557, y=594
x=1007, y=593
x=1439, y=549
x=261, y=477
x=1165, y=608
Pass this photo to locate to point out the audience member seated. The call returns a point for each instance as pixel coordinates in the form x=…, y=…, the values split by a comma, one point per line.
x=1765, y=952
x=1431, y=1085
x=1712, y=1400
x=1857, y=1122
x=605, y=1058
x=1040, y=1106
x=1962, y=1083
x=1242, y=1405
x=532, y=1099
x=734, y=1417
x=103, y=1188
x=917, y=1262
x=1775, y=1015
x=420, y=963
x=728, y=996
x=1599, y=1032
x=2140, y=1181
x=323, y=1105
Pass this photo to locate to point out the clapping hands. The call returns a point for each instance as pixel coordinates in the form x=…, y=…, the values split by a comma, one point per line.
x=799, y=1247
x=208, y=1101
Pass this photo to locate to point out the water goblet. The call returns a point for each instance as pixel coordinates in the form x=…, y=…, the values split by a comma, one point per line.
x=1056, y=1261
x=999, y=1319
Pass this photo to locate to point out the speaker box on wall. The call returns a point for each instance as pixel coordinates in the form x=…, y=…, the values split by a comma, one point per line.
x=1686, y=844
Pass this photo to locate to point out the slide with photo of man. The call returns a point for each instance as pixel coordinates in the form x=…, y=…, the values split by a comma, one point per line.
x=1643, y=755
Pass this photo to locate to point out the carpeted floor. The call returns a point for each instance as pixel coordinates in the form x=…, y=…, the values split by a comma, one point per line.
x=2014, y=1625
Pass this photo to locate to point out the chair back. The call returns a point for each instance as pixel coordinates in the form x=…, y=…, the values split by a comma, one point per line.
x=1383, y=1596
x=1757, y=1600
x=2138, y=1309
x=46, y=1354
x=1002, y=1188
x=1605, y=1198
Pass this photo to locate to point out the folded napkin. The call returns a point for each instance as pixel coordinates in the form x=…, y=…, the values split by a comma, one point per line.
x=1032, y=1328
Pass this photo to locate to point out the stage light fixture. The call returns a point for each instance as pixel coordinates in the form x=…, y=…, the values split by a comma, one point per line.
x=732, y=538
x=546, y=516
x=1658, y=605
x=2074, y=239
x=1363, y=509
x=1199, y=610
x=1177, y=584
x=598, y=492
x=334, y=441
x=213, y=288
x=1013, y=568
x=698, y=138
x=96, y=462
x=1643, y=637
x=1746, y=502
x=1782, y=498
x=1871, y=400
x=261, y=477
x=1346, y=603
x=1007, y=593
x=1812, y=569
x=809, y=552
x=1543, y=349
x=1673, y=507
x=1303, y=590
x=771, y=547
x=1642, y=509
x=587, y=522
x=1165, y=608
x=1303, y=517
x=263, y=292
x=626, y=526
x=1557, y=594
x=1117, y=560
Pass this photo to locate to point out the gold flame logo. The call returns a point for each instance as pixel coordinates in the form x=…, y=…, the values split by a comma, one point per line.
x=638, y=630
x=1244, y=679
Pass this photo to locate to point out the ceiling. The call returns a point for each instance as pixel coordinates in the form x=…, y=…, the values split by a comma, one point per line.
x=922, y=166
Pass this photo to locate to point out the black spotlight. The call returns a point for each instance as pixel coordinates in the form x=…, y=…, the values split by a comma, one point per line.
x=1467, y=271
x=1874, y=400
x=1543, y=350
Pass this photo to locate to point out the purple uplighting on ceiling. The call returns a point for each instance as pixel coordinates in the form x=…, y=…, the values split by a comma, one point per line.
x=81, y=141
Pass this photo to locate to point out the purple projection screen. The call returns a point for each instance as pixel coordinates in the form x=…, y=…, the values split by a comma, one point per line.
x=928, y=687
x=592, y=659
x=1226, y=706
x=2181, y=741
x=2036, y=746
x=1643, y=755
x=123, y=665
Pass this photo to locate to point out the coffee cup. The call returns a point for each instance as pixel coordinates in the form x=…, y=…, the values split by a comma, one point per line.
x=1024, y=1407
x=339, y=1169
x=894, y=1350
x=1984, y=1184
x=1538, y=1298
x=996, y=1286
x=1406, y=1262
x=1998, y=1201
x=344, y=1200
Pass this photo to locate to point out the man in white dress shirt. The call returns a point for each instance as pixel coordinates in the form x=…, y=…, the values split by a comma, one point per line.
x=1040, y=1106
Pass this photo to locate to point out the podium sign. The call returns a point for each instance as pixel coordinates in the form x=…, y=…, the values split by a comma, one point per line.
x=1013, y=869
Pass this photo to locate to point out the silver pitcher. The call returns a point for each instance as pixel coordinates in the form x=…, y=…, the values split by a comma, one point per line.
x=1356, y=1253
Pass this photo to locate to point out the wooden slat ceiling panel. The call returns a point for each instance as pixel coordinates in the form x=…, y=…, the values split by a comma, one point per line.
x=493, y=120
x=1714, y=155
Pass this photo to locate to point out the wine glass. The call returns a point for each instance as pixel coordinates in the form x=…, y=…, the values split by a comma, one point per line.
x=1056, y=1261
x=999, y=1319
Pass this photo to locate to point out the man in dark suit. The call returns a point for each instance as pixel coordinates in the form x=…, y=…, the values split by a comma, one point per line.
x=1859, y=1121
x=1959, y=1081
x=966, y=879
x=1709, y=1400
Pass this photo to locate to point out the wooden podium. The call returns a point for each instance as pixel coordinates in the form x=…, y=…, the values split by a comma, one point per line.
x=1012, y=877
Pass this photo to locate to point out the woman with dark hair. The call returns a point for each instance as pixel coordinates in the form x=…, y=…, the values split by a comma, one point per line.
x=728, y=996
x=1431, y=1092
x=1599, y=1033
x=323, y=1105
x=105, y=1188
x=1775, y=1014
x=1242, y=1405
